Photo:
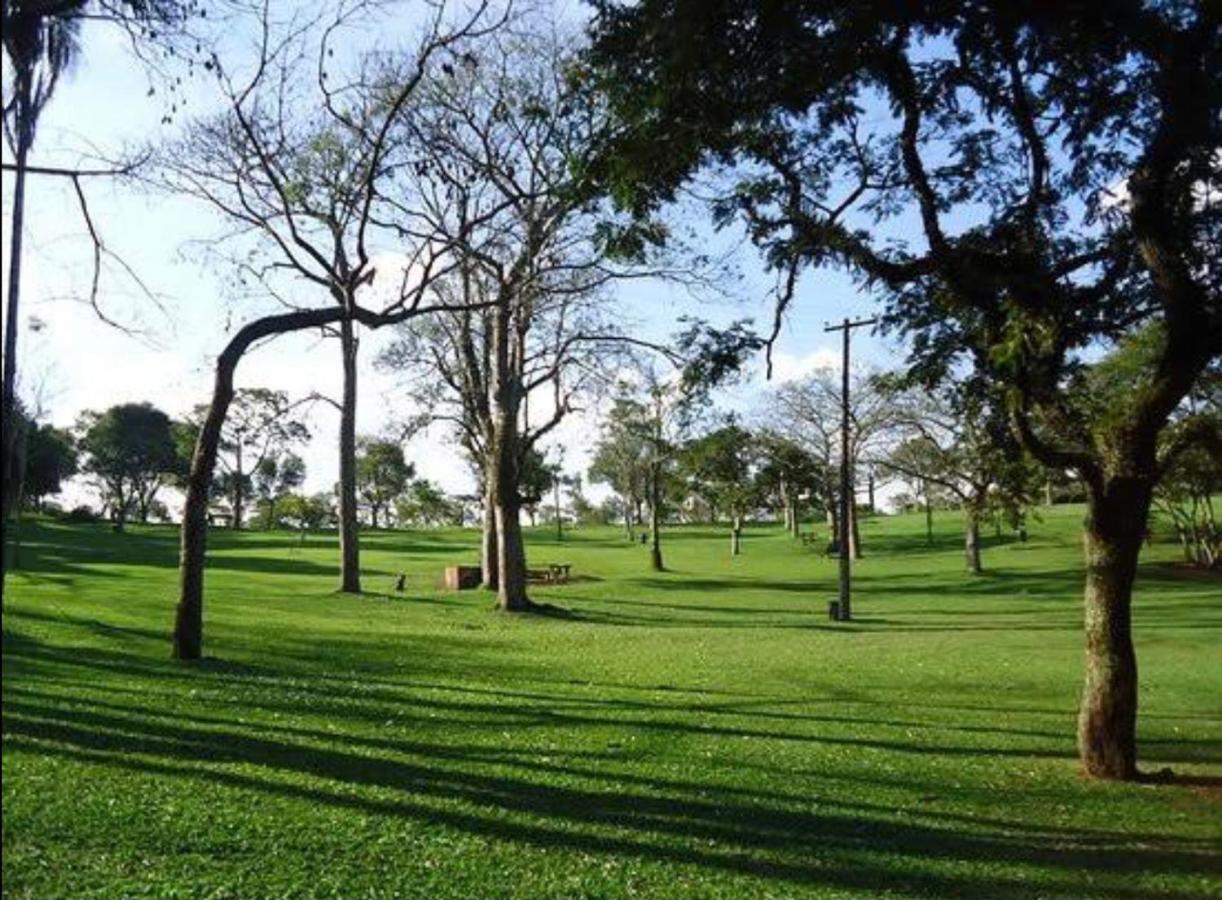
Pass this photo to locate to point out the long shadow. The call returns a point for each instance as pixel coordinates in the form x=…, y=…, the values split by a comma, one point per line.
x=763, y=840
x=679, y=581
x=561, y=711
x=527, y=758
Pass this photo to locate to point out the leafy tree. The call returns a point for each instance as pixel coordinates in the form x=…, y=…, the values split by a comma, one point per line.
x=48, y=456
x=1186, y=494
x=958, y=439
x=808, y=411
x=584, y=512
x=317, y=188
x=719, y=467
x=382, y=474
x=621, y=460
x=1055, y=158
x=787, y=473
x=535, y=478
x=426, y=504
x=275, y=476
x=509, y=135
x=1191, y=447
x=655, y=417
x=308, y=513
x=129, y=449
x=261, y=424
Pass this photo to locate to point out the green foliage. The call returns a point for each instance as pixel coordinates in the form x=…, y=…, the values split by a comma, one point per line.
x=788, y=470
x=50, y=459
x=703, y=732
x=535, y=477
x=1053, y=158
x=308, y=513
x=719, y=467
x=425, y=504
x=382, y=473
x=129, y=448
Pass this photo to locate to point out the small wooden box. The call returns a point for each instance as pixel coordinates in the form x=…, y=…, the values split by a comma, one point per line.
x=462, y=578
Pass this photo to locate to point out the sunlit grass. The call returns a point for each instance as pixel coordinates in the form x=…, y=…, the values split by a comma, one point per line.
x=703, y=732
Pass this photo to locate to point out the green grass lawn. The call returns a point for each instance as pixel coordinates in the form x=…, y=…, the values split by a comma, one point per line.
x=701, y=733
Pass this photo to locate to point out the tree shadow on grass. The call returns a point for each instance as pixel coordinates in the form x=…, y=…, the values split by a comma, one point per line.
x=843, y=845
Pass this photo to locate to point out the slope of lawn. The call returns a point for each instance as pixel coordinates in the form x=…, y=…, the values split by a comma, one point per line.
x=700, y=733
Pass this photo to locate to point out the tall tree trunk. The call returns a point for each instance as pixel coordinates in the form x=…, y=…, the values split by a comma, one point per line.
x=121, y=510
x=655, y=521
x=193, y=537
x=736, y=534
x=928, y=514
x=1107, y=717
x=870, y=490
x=189, y=616
x=8, y=441
x=511, y=559
x=854, y=532
x=349, y=536
x=971, y=540
x=489, y=557
x=511, y=549
x=1048, y=491
x=628, y=518
x=237, y=486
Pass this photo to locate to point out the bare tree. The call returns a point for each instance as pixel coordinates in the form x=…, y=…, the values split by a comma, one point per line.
x=808, y=411
x=958, y=438
x=313, y=198
x=509, y=134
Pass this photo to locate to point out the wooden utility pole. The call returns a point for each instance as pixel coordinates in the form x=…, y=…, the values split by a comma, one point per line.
x=844, y=609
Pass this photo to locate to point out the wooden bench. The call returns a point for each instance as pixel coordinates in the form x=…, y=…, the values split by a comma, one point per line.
x=554, y=573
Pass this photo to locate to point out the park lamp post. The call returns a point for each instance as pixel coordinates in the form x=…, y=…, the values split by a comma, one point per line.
x=842, y=610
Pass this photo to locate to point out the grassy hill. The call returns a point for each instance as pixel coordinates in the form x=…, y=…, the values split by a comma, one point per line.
x=704, y=732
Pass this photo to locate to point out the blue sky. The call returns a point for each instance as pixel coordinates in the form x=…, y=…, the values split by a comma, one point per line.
x=74, y=361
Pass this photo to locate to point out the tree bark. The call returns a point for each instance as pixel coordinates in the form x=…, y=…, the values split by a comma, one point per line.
x=511, y=550
x=655, y=521
x=349, y=536
x=237, y=486
x=489, y=565
x=971, y=542
x=507, y=394
x=1107, y=717
x=8, y=442
x=189, y=624
x=736, y=533
x=193, y=537
x=928, y=515
x=854, y=532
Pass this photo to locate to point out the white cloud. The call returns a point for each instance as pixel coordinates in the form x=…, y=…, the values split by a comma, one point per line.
x=792, y=367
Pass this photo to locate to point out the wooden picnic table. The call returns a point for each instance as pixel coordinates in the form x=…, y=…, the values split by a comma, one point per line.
x=557, y=572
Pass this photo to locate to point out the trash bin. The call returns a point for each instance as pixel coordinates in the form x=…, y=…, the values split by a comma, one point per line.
x=833, y=610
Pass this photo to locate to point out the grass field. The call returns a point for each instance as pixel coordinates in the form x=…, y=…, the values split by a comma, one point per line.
x=702, y=733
